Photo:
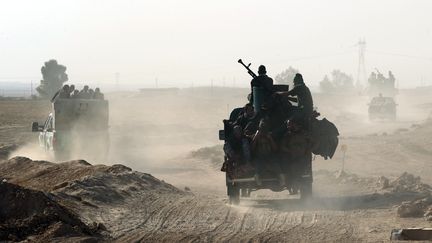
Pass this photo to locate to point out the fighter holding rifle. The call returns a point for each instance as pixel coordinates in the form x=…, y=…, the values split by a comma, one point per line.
x=301, y=92
x=260, y=80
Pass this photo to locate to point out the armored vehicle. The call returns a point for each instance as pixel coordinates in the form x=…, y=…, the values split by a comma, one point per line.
x=382, y=108
x=75, y=128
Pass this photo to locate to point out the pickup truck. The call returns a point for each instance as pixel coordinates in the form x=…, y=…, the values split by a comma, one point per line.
x=75, y=129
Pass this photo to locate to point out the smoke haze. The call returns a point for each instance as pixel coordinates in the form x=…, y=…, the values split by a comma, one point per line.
x=194, y=42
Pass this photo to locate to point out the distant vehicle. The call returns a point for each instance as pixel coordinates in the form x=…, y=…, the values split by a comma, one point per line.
x=75, y=129
x=382, y=108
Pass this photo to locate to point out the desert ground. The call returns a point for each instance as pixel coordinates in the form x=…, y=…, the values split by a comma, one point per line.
x=162, y=180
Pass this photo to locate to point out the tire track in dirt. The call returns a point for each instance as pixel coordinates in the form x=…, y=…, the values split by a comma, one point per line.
x=156, y=223
x=282, y=229
x=217, y=228
x=146, y=217
x=230, y=226
x=240, y=228
x=270, y=223
x=237, y=223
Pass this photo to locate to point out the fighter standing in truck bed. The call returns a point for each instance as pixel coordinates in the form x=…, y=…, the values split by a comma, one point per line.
x=304, y=99
x=262, y=80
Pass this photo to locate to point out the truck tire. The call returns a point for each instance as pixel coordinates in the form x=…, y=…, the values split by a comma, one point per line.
x=306, y=190
x=233, y=194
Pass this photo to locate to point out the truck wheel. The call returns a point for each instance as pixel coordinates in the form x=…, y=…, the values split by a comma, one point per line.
x=233, y=194
x=306, y=190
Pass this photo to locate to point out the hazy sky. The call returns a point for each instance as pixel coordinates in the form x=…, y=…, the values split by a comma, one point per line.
x=185, y=42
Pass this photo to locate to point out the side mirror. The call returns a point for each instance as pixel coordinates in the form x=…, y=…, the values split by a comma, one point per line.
x=221, y=134
x=35, y=127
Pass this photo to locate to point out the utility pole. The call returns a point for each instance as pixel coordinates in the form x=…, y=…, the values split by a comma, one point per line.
x=361, y=71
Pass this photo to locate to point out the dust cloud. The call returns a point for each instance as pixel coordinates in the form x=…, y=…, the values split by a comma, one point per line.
x=174, y=136
x=157, y=132
x=34, y=151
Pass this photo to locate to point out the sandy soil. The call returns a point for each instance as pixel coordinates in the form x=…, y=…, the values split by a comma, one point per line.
x=157, y=134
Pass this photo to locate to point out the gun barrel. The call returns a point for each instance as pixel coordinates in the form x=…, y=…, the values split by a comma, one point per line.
x=251, y=73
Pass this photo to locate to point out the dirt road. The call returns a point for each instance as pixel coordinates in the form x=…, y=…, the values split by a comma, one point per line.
x=133, y=206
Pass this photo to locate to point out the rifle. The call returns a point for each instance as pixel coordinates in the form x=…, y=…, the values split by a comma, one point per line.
x=251, y=73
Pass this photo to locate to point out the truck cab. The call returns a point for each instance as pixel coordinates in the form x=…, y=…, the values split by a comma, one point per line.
x=46, y=133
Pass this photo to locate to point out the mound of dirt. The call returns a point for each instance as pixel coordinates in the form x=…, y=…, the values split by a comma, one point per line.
x=28, y=213
x=343, y=177
x=416, y=208
x=47, y=176
x=101, y=196
x=409, y=183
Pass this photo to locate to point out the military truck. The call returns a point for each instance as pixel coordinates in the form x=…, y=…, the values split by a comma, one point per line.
x=75, y=128
x=281, y=171
x=382, y=108
x=297, y=172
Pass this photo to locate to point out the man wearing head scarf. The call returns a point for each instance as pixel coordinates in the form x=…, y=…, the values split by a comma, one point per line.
x=304, y=100
x=246, y=115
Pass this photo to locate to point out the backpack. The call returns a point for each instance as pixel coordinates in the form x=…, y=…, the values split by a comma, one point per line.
x=325, y=135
